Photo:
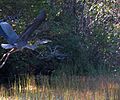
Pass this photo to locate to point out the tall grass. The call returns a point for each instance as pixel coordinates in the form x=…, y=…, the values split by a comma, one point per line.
x=64, y=88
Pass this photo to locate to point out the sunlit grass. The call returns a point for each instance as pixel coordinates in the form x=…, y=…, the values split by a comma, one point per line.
x=64, y=88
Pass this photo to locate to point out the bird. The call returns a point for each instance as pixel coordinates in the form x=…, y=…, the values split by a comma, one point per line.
x=19, y=42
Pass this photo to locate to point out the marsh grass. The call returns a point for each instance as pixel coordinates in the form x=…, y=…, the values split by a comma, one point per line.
x=64, y=88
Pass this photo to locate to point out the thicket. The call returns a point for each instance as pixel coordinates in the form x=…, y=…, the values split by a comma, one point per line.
x=88, y=31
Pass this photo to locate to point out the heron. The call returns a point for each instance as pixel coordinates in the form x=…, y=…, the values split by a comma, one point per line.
x=19, y=42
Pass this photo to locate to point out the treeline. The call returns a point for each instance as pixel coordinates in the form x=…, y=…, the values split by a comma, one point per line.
x=86, y=32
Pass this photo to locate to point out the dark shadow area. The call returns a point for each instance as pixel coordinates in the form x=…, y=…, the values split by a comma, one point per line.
x=13, y=73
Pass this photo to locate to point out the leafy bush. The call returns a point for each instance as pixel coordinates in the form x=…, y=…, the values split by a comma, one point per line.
x=88, y=31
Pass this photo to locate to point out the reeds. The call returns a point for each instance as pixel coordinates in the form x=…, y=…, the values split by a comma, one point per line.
x=64, y=88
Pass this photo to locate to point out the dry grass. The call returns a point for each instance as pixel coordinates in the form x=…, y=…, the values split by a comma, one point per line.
x=65, y=88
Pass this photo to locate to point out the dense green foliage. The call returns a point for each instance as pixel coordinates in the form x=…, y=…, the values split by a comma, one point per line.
x=87, y=29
